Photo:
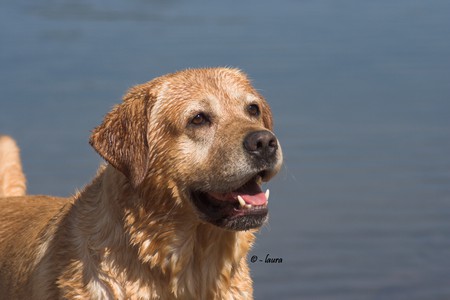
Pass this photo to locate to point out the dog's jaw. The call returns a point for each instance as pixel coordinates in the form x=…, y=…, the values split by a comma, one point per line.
x=243, y=208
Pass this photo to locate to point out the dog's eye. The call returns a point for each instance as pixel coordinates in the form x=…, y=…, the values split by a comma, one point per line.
x=253, y=110
x=199, y=119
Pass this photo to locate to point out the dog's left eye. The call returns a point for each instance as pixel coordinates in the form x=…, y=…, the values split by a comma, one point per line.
x=199, y=119
x=253, y=110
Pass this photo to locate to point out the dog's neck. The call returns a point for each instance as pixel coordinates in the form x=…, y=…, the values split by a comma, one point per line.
x=161, y=238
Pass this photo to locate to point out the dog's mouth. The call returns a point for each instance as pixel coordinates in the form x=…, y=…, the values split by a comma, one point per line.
x=240, y=209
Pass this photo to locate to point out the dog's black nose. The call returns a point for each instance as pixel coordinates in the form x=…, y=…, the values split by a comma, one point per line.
x=262, y=144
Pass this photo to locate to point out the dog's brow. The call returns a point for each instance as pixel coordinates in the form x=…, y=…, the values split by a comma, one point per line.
x=250, y=98
x=209, y=103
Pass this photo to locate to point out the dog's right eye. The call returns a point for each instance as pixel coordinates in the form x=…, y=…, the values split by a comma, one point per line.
x=199, y=119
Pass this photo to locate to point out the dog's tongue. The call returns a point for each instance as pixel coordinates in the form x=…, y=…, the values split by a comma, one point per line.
x=250, y=192
x=256, y=199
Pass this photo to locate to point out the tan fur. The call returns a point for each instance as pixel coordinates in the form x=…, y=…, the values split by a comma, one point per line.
x=133, y=233
x=12, y=179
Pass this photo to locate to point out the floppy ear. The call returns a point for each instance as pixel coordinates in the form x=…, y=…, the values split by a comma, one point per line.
x=121, y=139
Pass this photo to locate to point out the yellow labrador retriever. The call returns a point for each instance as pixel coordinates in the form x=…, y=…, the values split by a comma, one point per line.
x=172, y=215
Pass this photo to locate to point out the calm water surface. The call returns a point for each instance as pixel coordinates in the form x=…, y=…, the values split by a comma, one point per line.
x=360, y=92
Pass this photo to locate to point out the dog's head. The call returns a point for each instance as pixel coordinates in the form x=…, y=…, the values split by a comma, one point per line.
x=206, y=131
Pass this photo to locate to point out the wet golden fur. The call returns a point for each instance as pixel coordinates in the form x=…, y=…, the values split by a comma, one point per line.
x=132, y=233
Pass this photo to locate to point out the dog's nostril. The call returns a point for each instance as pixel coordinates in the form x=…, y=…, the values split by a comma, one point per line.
x=273, y=143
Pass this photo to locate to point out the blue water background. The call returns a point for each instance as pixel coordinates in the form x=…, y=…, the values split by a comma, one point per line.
x=360, y=92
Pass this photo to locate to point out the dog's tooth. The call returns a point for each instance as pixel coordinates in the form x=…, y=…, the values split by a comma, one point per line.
x=248, y=206
x=241, y=201
x=267, y=195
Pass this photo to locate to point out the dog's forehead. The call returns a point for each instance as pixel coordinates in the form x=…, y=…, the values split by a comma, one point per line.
x=217, y=82
x=213, y=88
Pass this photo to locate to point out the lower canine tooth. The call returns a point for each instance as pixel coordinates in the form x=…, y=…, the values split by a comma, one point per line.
x=241, y=201
x=248, y=206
